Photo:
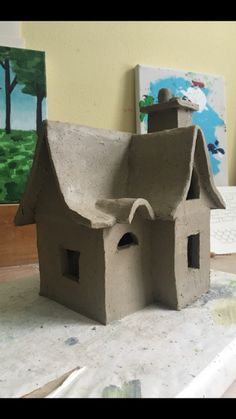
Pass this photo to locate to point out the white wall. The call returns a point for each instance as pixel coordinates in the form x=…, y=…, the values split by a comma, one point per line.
x=90, y=66
x=10, y=34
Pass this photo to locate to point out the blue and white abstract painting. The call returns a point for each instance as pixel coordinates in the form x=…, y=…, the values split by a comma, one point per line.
x=203, y=89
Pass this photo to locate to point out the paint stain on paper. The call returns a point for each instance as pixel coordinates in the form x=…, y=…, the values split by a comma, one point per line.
x=225, y=312
x=71, y=341
x=216, y=292
x=129, y=390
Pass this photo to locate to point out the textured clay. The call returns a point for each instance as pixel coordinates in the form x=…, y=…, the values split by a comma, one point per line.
x=122, y=219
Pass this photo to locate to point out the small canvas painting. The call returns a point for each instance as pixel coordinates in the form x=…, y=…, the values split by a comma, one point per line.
x=207, y=91
x=23, y=107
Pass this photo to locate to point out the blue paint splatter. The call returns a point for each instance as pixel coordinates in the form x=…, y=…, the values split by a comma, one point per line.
x=71, y=341
x=208, y=120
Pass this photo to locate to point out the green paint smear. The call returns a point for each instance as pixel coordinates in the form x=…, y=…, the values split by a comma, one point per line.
x=225, y=312
x=232, y=283
x=129, y=390
x=147, y=101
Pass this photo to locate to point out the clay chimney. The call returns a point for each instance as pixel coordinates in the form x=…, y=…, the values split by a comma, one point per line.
x=170, y=112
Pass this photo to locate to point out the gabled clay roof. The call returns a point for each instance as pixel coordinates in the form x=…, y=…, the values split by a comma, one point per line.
x=104, y=176
x=166, y=160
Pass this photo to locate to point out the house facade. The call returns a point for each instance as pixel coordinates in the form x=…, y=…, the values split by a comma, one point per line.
x=122, y=219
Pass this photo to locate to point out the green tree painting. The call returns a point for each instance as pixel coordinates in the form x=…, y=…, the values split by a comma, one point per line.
x=23, y=107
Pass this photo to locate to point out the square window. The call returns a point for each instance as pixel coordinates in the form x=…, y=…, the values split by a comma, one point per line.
x=194, y=251
x=70, y=264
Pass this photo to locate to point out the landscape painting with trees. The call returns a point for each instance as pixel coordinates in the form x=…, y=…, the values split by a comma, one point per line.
x=23, y=107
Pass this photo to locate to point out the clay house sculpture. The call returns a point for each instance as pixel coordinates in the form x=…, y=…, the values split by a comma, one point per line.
x=122, y=219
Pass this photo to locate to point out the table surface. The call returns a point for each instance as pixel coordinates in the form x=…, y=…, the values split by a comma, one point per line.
x=155, y=352
x=225, y=263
